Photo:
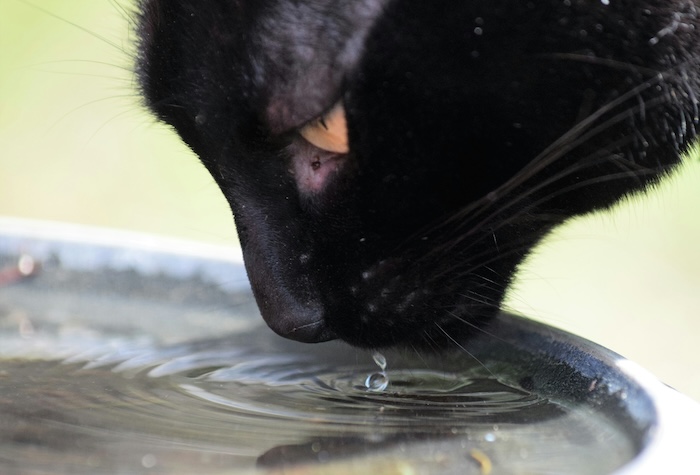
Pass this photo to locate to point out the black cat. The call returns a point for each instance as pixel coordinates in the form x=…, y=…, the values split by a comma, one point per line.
x=389, y=163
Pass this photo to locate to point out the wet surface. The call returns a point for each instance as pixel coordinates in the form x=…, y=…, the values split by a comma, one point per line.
x=118, y=372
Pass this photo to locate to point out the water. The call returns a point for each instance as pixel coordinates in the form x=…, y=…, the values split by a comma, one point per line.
x=214, y=406
x=94, y=382
x=378, y=381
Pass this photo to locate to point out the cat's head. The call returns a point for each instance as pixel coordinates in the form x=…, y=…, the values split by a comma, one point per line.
x=389, y=163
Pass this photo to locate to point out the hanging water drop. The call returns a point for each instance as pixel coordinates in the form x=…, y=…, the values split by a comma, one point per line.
x=380, y=359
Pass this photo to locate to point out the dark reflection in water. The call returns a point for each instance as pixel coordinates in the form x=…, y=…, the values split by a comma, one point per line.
x=134, y=377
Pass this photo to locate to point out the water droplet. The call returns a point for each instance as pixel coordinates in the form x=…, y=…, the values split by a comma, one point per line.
x=380, y=359
x=377, y=382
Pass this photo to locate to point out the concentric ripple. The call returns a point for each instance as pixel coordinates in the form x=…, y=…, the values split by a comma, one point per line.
x=269, y=390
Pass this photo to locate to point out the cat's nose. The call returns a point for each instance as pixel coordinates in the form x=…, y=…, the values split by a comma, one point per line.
x=310, y=332
x=289, y=315
x=305, y=325
x=289, y=299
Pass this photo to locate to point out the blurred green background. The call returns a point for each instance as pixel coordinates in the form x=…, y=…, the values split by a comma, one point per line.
x=76, y=146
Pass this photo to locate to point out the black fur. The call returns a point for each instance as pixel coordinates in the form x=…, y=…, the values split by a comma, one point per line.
x=475, y=126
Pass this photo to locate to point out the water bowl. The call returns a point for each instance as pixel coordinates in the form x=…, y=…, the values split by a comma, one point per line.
x=129, y=354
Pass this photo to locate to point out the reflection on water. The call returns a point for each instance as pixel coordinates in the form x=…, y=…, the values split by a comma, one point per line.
x=146, y=384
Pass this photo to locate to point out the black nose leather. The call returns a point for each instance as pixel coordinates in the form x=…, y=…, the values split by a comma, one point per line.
x=311, y=332
x=296, y=315
x=305, y=325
